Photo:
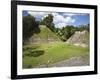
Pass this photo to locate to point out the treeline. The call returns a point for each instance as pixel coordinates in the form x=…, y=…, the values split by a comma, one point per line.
x=31, y=27
x=67, y=31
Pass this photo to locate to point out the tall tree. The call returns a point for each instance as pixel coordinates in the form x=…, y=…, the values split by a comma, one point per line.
x=48, y=21
x=30, y=26
x=67, y=32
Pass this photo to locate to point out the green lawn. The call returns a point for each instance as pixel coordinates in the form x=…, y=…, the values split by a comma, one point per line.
x=37, y=54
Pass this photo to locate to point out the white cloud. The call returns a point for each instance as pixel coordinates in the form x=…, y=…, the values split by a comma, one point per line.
x=61, y=21
x=60, y=25
x=69, y=20
x=58, y=19
x=69, y=14
x=38, y=15
x=73, y=14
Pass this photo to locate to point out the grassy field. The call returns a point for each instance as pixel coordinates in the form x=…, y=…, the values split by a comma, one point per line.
x=39, y=54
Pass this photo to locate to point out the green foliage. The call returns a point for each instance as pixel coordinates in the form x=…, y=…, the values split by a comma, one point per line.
x=48, y=21
x=66, y=32
x=30, y=26
x=33, y=53
x=82, y=27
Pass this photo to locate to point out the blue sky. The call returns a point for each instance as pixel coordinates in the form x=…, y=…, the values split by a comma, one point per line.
x=62, y=19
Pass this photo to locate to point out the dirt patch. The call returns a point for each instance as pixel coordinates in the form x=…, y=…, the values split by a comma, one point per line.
x=74, y=61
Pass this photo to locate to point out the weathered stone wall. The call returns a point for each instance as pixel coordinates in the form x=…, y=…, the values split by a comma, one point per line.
x=79, y=39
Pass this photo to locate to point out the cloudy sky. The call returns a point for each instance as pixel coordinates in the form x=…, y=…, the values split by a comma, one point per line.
x=61, y=19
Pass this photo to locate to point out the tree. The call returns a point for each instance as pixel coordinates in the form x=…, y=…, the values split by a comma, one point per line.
x=48, y=21
x=30, y=26
x=67, y=32
x=82, y=27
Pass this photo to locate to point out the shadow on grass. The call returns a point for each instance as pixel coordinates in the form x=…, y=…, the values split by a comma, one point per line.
x=30, y=48
x=35, y=53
